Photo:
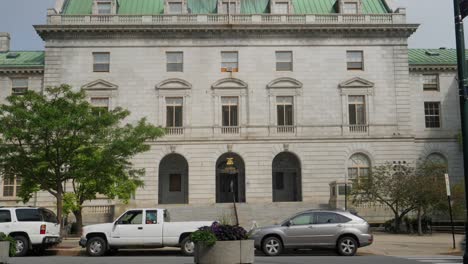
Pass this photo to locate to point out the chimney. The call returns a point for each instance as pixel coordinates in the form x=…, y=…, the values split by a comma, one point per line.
x=4, y=42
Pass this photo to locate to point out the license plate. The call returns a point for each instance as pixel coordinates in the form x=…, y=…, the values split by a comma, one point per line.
x=51, y=240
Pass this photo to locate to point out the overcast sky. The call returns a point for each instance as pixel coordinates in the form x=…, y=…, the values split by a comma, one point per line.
x=435, y=17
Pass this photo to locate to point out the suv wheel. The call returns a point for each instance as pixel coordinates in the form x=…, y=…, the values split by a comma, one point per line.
x=272, y=246
x=96, y=247
x=22, y=246
x=187, y=246
x=347, y=246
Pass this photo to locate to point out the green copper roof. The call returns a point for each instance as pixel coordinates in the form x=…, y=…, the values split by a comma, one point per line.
x=24, y=59
x=432, y=56
x=146, y=7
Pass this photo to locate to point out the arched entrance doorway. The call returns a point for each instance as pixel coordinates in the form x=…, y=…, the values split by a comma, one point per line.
x=230, y=179
x=173, y=180
x=287, y=183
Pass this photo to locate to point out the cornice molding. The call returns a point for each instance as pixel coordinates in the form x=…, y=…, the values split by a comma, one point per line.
x=393, y=30
x=20, y=70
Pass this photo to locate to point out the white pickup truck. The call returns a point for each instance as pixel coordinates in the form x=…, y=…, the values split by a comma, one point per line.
x=140, y=228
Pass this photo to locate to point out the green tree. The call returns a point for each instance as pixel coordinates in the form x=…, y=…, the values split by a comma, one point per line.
x=428, y=192
x=57, y=137
x=388, y=184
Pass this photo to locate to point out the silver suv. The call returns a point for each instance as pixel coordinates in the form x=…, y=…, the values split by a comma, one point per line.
x=341, y=230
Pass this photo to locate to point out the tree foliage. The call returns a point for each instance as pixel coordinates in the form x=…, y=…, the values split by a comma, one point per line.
x=390, y=185
x=57, y=137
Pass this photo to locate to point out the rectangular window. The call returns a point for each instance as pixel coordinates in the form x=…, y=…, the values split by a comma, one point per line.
x=350, y=8
x=228, y=7
x=175, y=183
x=175, y=61
x=281, y=8
x=5, y=216
x=230, y=108
x=104, y=8
x=284, y=61
x=19, y=86
x=174, y=112
x=100, y=105
x=431, y=82
x=28, y=215
x=11, y=186
x=432, y=114
x=355, y=60
x=175, y=8
x=229, y=61
x=284, y=107
x=279, y=181
x=357, y=110
x=101, y=62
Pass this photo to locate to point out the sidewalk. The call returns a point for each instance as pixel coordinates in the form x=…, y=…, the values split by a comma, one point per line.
x=384, y=245
x=412, y=245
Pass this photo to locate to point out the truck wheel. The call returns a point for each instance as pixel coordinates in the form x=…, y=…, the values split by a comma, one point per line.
x=347, y=246
x=187, y=246
x=96, y=247
x=22, y=246
x=272, y=246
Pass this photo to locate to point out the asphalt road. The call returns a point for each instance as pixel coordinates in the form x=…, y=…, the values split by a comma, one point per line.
x=258, y=260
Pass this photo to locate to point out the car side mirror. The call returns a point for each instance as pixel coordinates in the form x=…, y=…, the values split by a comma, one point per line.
x=288, y=223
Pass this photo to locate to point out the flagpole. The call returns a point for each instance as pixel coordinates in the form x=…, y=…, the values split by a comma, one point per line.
x=459, y=34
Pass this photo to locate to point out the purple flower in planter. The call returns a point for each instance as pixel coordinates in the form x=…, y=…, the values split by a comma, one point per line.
x=226, y=232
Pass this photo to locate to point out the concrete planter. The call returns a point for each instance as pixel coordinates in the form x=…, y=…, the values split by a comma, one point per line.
x=4, y=251
x=226, y=252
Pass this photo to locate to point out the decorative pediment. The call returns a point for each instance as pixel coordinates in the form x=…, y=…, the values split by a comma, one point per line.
x=99, y=85
x=284, y=82
x=356, y=83
x=229, y=83
x=174, y=84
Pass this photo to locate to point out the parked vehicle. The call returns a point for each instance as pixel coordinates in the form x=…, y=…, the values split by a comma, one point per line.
x=140, y=228
x=315, y=228
x=32, y=228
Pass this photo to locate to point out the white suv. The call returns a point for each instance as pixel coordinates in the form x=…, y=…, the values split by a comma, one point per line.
x=32, y=228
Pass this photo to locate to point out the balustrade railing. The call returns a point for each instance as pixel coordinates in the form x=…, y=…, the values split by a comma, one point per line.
x=394, y=18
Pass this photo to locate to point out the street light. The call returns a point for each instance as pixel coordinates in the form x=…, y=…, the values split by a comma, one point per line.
x=460, y=8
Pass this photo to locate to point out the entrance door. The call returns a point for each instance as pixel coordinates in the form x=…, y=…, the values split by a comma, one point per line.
x=230, y=179
x=173, y=180
x=286, y=178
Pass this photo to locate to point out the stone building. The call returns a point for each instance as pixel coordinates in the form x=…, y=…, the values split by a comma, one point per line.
x=266, y=102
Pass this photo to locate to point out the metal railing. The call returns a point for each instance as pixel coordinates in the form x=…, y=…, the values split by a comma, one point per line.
x=358, y=129
x=230, y=130
x=285, y=129
x=168, y=19
x=174, y=131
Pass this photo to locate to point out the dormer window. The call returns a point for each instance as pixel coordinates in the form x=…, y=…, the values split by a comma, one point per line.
x=281, y=8
x=229, y=6
x=175, y=7
x=350, y=8
x=104, y=8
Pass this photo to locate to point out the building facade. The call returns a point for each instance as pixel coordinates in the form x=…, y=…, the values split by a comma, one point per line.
x=269, y=103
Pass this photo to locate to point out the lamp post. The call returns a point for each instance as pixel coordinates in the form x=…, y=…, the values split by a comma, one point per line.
x=460, y=12
x=346, y=192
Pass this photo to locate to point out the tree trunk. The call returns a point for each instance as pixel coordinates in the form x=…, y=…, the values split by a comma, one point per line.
x=79, y=221
x=60, y=210
x=397, y=223
x=420, y=232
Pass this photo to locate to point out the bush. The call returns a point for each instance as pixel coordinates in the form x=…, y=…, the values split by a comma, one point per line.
x=204, y=236
x=219, y=232
x=12, y=241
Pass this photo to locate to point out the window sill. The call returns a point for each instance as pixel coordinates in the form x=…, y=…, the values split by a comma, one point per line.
x=10, y=199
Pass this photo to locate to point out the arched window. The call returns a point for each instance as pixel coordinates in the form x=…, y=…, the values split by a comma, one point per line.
x=287, y=181
x=173, y=180
x=358, y=167
x=438, y=160
x=230, y=179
